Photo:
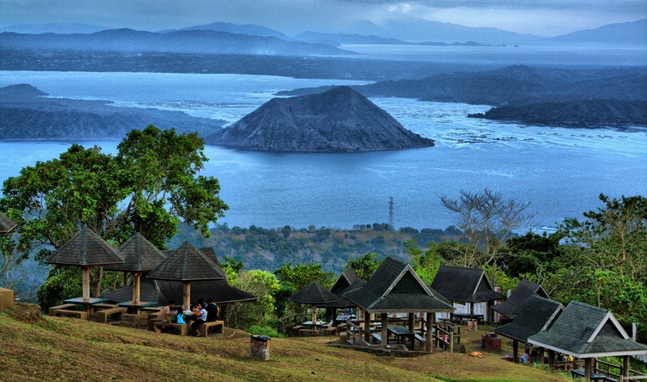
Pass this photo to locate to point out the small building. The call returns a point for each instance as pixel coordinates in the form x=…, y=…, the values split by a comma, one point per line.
x=466, y=286
x=588, y=332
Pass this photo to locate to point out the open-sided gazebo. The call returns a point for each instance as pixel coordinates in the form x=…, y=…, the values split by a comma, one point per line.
x=466, y=286
x=535, y=315
x=187, y=264
x=396, y=288
x=86, y=249
x=588, y=332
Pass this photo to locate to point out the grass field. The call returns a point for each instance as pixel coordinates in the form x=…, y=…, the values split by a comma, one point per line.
x=35, y=348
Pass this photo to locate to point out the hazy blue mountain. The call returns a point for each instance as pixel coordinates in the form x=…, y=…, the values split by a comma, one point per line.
x=422, y=30
x=248, y=29
x=337, y=120
x=189, y=41
x=28, y=114
x=65, y=28
x=634, y=32
x=341, y=38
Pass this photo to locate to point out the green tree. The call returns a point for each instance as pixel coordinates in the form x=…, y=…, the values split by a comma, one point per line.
x=365, y=265
x=262, y=284
x=301, y=275
x=147, y=187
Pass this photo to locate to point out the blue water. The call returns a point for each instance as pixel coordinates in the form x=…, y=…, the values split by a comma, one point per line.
x=560, y=171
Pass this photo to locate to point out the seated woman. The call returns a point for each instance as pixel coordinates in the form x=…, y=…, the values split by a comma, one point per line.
x=199, y=318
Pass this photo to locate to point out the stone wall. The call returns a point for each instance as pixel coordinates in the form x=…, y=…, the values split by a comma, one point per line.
x=6, y=298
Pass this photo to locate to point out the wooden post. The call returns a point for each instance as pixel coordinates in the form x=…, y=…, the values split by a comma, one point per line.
x=429, y=346
x=551, y=358
x=587, y=368
x=540, y=354
x=186, y=294
x=451, y=340
x=367, y=327
x=314, y=314
x=136, y=286
x=384, y=319
x=625, y=367
x=411, y=322
x=515, y=351
x=86, y=283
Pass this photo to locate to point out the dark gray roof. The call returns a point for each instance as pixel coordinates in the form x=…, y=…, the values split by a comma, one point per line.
x=148, y=291
x=316, y=294
x=344, y=280
x=220, y=290
x=464, y=285
x=6, y=224
x=395, y=287
x=187, y=263
x=532, y=317
x=86, y=248
x=525, y=290
x=140, y=255
x=586, y=331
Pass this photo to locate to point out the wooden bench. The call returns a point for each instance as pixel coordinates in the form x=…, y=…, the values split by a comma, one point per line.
x=420, y=338
x=217, y=325
x=182, y=329
x=53, y=309
x=71, y=313
x=115, y=313
x=377, y=337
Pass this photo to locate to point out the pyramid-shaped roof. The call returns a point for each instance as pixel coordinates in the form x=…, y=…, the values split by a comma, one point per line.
x=464, y=285
x=533, y=316
x=524, y=291
x=148, y=290
x=86, y=248
x=187, y=263
x=6, y=224
x=395, y=287
x=140, y=255
x=315, y=294
x=586, y=331
x=219, y=290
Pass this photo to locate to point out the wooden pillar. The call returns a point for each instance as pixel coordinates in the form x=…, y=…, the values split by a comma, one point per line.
x=515, y=351
x=551, y=358
x=314, y=314
x=136, y=286
x=587, y=368
x=429, y=345
x=384, y=320
x=625, y=366
x=367, y=326
x=186, y=294
x=86, y=283
x=411, y=323
x=540, y=354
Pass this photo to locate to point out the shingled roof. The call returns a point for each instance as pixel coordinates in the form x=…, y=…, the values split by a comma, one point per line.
x=535, y=315
x=148, y=291
x=347, y=277
x=140, y=255
x=586, y=331
x=219, y=290
x=464, y=285
x=187, y=263
x=524, y=291
x=316, y=294
x=6, y=224
x=86, y=248
x=395, y=287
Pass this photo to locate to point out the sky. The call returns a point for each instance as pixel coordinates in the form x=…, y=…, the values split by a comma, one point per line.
x=539, y=17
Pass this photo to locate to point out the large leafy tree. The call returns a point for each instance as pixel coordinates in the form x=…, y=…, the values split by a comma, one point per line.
x=148, y=186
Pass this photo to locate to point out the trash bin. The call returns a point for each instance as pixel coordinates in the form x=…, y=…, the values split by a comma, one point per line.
x=472, y=326
x=259, y=347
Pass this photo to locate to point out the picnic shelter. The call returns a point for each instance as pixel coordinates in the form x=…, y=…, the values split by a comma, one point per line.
x=522, y=293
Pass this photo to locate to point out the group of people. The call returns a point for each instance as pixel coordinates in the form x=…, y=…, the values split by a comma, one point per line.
x=199, y=313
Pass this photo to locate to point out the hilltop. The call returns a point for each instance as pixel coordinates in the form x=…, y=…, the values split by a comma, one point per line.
x=46, y=348
x=337, y=120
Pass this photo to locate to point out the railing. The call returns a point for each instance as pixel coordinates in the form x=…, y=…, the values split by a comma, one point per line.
x=289, y=321
x=615, y=371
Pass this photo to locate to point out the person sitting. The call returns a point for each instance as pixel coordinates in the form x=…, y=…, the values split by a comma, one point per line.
x=213, y=310
x=199, y=318
x=168, y=316
x=525, y=358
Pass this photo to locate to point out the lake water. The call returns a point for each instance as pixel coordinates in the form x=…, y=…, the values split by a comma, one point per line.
x=560, y=171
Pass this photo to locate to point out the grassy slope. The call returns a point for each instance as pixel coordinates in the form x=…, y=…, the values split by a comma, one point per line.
x=53, y=348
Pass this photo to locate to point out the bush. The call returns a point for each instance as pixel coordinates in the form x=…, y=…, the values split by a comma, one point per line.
x=264, y=331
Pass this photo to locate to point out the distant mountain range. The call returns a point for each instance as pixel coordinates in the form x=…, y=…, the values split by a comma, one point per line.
x=28, y=114
x=337, y=120
x=390, y=32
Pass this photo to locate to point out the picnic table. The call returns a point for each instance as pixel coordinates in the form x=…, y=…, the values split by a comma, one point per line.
x=134, y=307
x=86, y=304
x=457, y=317
x=401, y=334
x=313, y=325
x=595, y=377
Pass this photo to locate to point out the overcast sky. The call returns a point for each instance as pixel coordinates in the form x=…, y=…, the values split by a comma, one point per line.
x=540, y=17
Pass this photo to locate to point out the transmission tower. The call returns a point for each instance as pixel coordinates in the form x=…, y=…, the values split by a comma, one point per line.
x=391, y=212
